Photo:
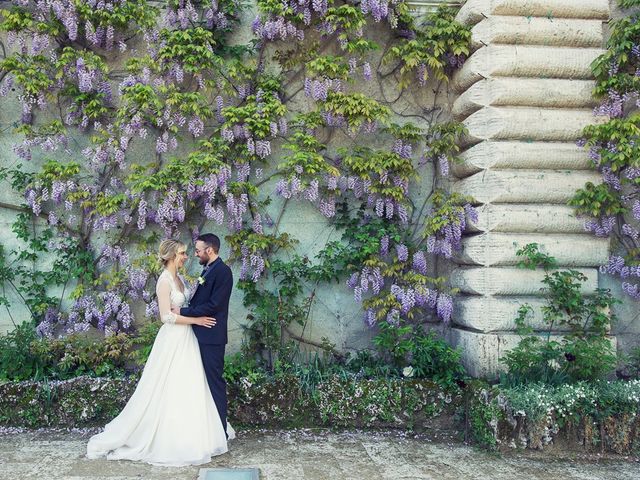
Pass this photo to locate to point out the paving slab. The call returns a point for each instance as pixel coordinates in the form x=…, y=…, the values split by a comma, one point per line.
x=311, y=455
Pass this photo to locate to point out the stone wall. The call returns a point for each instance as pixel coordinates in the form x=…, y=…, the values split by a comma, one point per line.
x=334, y=314
x=525, y=95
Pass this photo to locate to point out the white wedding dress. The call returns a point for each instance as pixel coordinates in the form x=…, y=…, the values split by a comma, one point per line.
x=171, y=418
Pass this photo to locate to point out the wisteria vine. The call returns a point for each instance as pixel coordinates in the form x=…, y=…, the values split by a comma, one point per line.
x=185, y=131
x=612, y=207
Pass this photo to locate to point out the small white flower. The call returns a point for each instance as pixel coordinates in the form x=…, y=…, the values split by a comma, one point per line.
x=201, y=280
x=553, y=363
x=407, y=371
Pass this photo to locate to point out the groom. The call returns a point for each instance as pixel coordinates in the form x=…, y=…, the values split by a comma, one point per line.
x=211, y=299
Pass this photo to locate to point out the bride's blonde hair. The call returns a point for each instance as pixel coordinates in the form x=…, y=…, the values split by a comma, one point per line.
x=168, y=250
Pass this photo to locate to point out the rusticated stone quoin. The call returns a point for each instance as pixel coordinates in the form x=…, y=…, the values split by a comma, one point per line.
x=525, y=95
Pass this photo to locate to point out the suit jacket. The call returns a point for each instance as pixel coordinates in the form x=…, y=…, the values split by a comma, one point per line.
x=211, y=299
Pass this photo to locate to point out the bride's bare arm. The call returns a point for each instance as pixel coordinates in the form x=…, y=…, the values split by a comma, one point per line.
x=163, y=291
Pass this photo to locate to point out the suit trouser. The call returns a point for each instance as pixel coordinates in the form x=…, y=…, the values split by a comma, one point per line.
x=213, y=362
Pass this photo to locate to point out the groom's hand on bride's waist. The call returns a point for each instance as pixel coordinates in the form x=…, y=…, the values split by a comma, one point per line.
x=175, y=309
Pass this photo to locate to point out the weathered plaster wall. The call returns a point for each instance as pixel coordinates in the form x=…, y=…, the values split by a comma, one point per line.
x=525, y=96
x=334, y=315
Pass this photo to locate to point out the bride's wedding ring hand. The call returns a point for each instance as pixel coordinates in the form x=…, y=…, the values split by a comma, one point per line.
x=205, y=321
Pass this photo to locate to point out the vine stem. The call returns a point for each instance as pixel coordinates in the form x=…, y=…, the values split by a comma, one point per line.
x=280, y=215
x=302, y=339
x=266, y=179
x=417, y=223
x=24, y=301
x=300, y=70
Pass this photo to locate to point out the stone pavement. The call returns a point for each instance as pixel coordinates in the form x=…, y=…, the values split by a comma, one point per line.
x=309, y=455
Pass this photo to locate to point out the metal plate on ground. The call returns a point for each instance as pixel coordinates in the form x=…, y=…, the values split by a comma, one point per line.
x=229, y=474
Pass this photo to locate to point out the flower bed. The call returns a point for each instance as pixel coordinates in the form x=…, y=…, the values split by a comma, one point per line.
x=77, y=402
x=282, y=402
x=602, y=416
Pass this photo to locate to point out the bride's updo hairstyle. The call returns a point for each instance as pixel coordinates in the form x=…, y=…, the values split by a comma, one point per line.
x=168, y=250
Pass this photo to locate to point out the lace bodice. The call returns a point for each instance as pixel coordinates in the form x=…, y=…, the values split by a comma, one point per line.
x=178, y=298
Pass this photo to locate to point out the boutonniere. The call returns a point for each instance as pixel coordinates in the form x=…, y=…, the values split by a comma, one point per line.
x=201, y=280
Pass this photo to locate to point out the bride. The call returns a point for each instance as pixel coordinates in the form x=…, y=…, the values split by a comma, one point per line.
x=171, y=418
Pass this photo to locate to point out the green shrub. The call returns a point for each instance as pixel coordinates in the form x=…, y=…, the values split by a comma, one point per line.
x=432, y=358
x=414, y=353
x=79, y=354
x=143, y=341
x=584, y=352
x=240, y=366
x=630, y=367
x=75, y=403
x=24, y=356
x=483, y=417
x=365, y=364
x=16, y=360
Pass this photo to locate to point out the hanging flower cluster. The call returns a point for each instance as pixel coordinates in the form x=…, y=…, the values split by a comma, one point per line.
x=257, y=121
x=397, y=274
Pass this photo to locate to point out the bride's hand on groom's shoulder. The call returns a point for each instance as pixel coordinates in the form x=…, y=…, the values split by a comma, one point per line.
x=205, y=321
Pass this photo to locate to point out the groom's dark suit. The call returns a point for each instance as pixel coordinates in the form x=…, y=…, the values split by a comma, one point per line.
x=211, y=299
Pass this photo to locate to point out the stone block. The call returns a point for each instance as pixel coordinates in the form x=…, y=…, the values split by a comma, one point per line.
x=526, y=61
x=499, y=249
x=509, y=280
x=524, y=92
x=524, y=218
x=474, y=11
x=521, y=155
x=498, y=314
x=481, y=351
x=524, y=30
x=525, y=186
x=527, y=123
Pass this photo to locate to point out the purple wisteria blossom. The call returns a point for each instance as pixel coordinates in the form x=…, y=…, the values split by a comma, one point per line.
x=393, y=318
x=378, y=9
x=113, y=254
x=137, y=281
x=420, y=262
x=614, y=105
x=384, y=246
x=46, y=328
x=402, y=252
x=600, y=227
x=328, y=207
x=443, y=164
x=635, y=209
x=276, y=28
x=151, y=309
x=370, y=317
x=444, y=307
x=631, y=289
x=366, y=71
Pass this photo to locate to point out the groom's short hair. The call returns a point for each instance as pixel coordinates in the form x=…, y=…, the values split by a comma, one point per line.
x=210, y=240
